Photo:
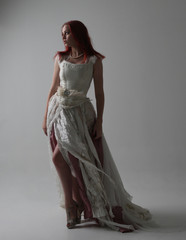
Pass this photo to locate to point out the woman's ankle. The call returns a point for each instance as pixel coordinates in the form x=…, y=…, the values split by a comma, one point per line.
x=69, y=203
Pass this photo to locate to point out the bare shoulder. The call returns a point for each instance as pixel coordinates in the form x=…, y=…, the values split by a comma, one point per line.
x=98, y=59
x=59, y=58
x=98, y=65
x=62, y=57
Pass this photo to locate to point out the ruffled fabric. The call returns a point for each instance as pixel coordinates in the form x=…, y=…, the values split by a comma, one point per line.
x=103, y=192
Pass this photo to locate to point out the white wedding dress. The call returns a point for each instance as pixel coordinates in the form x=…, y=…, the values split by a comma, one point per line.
x=70, y=120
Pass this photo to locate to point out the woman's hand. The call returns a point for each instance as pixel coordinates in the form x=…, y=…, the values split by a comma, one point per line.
x=97, y=129
x=44, y=127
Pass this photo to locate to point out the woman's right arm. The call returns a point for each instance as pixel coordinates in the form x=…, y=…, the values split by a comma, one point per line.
x=53, y=89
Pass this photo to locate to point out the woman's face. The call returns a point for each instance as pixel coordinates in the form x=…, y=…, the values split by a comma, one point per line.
x=67, y=37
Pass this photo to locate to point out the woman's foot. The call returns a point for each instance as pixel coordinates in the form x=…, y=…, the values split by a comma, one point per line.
x=71, y=211
x=80, y=209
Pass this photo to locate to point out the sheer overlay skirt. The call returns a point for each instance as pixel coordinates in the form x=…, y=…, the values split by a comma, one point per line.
x=91, y=163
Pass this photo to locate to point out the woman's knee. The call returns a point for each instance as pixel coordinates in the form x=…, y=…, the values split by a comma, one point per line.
x=57, y=158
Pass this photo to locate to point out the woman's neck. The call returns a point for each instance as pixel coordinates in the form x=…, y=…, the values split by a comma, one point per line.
x=75, y=52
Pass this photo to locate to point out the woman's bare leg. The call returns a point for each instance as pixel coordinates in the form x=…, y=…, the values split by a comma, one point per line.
x=75, y=191
x=65, y=175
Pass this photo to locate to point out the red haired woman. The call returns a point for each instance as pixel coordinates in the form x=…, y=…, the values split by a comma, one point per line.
x=88, y=180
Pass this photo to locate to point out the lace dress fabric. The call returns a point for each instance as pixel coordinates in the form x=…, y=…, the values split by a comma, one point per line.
x=70, y=120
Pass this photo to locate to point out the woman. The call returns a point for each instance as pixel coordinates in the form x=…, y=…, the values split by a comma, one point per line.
x=88, y=179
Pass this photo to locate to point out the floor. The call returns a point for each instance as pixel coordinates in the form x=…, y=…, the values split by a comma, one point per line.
x=30, y=217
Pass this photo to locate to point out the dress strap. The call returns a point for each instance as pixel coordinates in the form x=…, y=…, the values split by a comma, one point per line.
x=60, y=60
x=93, y=59
x=57, y=58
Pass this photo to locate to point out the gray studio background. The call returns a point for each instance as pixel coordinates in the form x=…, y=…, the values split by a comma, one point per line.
x=144, y=115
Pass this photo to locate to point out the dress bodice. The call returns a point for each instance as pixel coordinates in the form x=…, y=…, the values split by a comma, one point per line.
x=76, y=76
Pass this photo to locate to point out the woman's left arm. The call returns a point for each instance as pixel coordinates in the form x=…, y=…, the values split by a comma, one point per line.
x=100, y=98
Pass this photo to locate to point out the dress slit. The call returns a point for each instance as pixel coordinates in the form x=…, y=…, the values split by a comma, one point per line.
x=117, y=210
x=75, y=164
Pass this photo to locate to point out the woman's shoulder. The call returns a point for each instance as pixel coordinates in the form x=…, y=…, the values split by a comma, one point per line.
x=61, y=56
x=94, y=58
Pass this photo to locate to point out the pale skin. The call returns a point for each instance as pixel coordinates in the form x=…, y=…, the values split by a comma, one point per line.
x=68, y=181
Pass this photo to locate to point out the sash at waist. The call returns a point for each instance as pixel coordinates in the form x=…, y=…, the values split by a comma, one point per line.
x=69, y=98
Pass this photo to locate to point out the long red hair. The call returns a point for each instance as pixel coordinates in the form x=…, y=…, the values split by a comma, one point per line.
x=81, y=35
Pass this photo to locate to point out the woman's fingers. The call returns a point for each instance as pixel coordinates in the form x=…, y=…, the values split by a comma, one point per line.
x=45, y=131
x=97, y=134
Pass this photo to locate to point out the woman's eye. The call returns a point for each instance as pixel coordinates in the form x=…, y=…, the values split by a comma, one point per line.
x=65, y=33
